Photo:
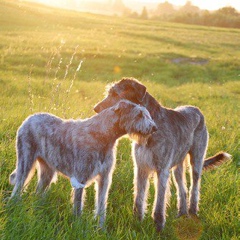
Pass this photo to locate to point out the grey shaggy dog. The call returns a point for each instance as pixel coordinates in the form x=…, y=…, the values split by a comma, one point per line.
x=181, y=132
x=82, y=150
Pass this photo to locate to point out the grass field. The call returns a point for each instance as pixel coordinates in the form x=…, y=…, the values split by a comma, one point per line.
x=60, y=61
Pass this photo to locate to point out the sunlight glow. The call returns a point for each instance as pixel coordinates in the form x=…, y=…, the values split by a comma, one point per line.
x=56, y=3
x=202, y=4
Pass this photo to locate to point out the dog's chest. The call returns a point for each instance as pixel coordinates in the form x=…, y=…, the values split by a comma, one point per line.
x=144, y=157
x=88, y=169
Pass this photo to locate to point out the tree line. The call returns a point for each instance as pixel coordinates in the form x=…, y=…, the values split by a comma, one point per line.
x=227, y=17
x=224, y=17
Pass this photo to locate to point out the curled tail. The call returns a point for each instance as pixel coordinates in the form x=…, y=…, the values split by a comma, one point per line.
x=216, y=160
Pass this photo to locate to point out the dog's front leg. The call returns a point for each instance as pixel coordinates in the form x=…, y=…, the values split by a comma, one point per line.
x=102, y=188
x=141, y=185
x=159, y=212
x=78, y=200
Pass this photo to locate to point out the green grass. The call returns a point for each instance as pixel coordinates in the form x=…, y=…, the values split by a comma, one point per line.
x=40, y=52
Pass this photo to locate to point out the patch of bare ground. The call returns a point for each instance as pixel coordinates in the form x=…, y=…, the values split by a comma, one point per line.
x=193, y=61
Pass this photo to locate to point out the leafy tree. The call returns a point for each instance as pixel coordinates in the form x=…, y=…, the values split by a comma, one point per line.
x=189, y=8
x=144, y=14
x=228, y=11
x=165, y=8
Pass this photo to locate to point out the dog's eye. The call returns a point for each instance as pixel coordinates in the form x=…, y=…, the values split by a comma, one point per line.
x=140, y=115
x=113, y=94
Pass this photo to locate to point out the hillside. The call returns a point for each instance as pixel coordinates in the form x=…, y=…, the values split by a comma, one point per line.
x=159, y=49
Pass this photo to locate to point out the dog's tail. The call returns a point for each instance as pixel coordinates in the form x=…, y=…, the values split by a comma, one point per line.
x=12, y=177
x=216, y=160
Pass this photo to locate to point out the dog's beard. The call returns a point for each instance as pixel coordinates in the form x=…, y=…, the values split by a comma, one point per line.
x=139, y=138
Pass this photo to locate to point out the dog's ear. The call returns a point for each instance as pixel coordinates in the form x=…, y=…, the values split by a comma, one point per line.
x=131, y=88
x=141, y=93
x=139, y=89
x=120, y=106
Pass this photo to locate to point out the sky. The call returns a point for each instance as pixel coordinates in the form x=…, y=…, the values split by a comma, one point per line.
x=202, y=4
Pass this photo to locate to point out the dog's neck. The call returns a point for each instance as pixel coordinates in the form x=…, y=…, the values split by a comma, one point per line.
x=152, y=105
x=118, y=130
x=106, y=132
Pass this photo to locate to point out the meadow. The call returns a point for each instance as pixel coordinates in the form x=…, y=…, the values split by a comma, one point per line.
x=60, y=61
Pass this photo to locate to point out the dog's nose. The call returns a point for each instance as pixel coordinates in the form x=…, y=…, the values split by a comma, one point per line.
x=96, y=109
x=154, y=129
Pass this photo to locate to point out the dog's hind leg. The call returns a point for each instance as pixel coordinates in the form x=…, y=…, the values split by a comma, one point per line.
x=46, y=175
x=197, y=154
x=21, y=180
x=25, y=166
x=196, y=172
x=180, y=183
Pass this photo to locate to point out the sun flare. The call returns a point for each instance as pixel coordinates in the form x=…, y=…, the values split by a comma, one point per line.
x=202, y=4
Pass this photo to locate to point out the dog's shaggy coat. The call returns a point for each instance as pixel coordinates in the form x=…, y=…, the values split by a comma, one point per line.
x=82, y=150
x=181, y=132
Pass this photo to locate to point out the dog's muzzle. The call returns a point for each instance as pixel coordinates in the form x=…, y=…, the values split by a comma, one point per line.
x=97, y=108
x=154, y=129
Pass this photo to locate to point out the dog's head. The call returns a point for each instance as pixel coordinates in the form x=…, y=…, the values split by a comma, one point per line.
x=134, y=120
x=127, y=88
